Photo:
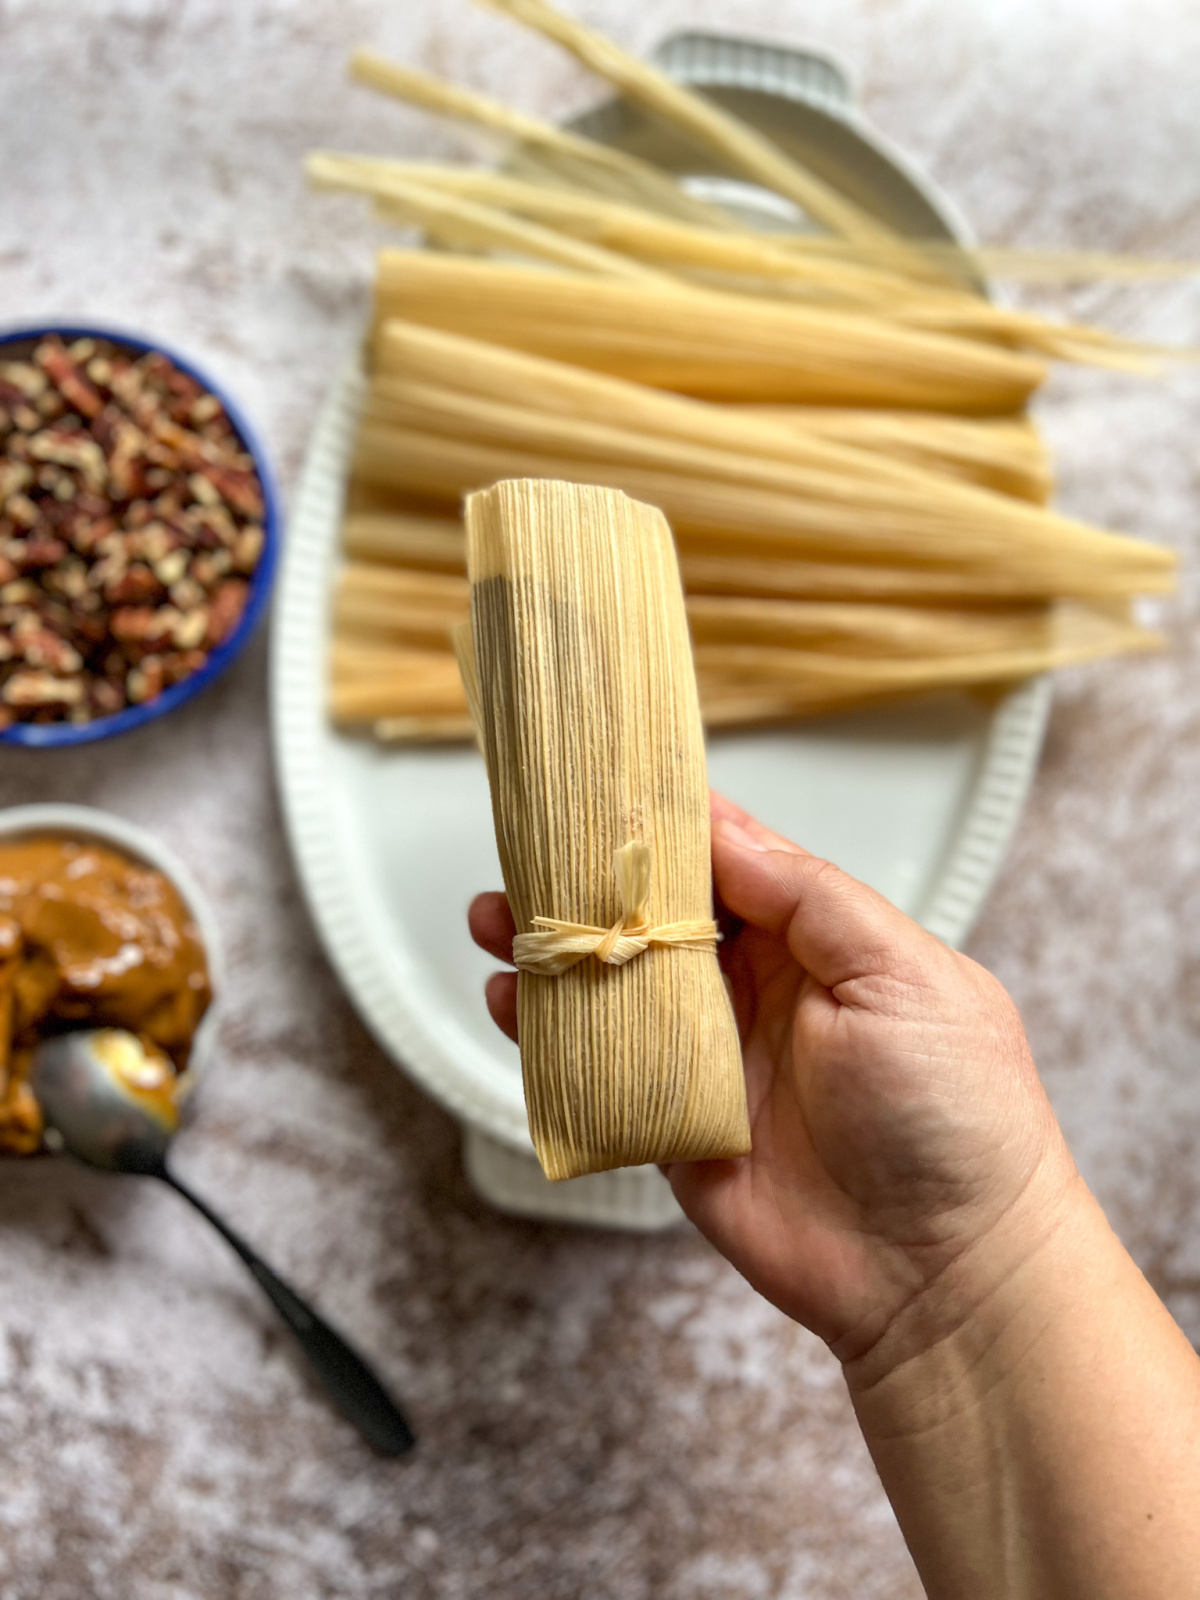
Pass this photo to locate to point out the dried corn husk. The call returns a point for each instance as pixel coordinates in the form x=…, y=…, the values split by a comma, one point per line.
x=580, y=159
x=735, y=144
x=433, y=544
x=709, y=567
x=848, y=516
x=1045, y=556
x=452, y=220
x=591, y=733
x=937, y=260
x=700, y=342
x=908, y=454
x=1002, y=453
x=1067, y=632
x=778, y=662
x=740, y=262
x=635, y=231
x=424, y=730
x=412, y=607
x=370, y=684
x=841, y=440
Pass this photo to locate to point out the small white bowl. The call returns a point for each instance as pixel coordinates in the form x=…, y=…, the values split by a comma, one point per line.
x=86, y=822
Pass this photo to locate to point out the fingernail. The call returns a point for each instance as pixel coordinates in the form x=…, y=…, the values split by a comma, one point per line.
x=737, y=835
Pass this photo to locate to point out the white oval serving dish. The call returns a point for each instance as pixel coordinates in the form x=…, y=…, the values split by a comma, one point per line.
x=919, y=800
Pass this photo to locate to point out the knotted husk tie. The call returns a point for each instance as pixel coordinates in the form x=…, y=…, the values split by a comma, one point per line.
x=557, y=945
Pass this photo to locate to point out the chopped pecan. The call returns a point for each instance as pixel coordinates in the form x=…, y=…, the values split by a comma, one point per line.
x=68, y=450
x=204, y=571
x=206, y=409
x=85, y=532
x=24, y=377
x=88, y=627
x=135, y=584
x=51, y=406
x=66, y=377
x=169, y=504
x=225, y=610
x=132, y=624
x=25, y=624
x=88, y=608
x=127, y=504
x=68, y=576
x=180, y=664
x=204, y=491
x=92, y=505
x=39, y=551
x=42, y=689
x=185, y=447
x=216, y=523
x=247, y=549
x=14, y=476
x=166, y=619
x=106, y=696
x=169, y=568
x=22, y=510
x=125, y=470
x=190, y=632
x=42, y=648
x=180, y=384
x=236, y=488
x=145, y=681
x=187, y=593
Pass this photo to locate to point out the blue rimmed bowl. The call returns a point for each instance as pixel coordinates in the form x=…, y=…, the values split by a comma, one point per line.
x=68, y=733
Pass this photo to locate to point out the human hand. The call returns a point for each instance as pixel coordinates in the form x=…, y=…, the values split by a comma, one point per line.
x=1032, y=1409
x=898, y=1124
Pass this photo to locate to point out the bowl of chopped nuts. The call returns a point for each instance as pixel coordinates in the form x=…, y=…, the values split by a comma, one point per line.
x=139, y=527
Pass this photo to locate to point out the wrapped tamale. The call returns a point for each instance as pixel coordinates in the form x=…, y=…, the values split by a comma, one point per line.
x=585, y=696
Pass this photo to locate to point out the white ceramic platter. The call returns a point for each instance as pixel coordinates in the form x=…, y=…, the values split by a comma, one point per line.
x=918, y=800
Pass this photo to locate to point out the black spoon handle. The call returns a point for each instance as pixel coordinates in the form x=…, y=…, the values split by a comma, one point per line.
x=348, y=1379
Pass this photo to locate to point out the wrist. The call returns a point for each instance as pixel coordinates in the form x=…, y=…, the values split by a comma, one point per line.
x=1035, y=1418
x=956, y=1340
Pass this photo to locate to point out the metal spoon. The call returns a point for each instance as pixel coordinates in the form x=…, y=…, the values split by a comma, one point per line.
x=111, y=1104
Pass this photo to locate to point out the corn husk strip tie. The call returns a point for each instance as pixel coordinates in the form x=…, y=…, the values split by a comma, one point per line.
x=558, y=945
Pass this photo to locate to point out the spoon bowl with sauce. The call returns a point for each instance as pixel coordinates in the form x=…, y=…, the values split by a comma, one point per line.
x=100, y=926
x=111, y=1103
x=109, y=964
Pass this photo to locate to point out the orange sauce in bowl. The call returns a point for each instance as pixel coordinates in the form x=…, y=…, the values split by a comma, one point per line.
x=89, y=938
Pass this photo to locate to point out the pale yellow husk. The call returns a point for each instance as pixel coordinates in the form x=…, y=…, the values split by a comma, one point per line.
x=1002, y=453
x=731, y=140
x=701, y=342
x=833, y=424
x=591, y=733
x=539, y=146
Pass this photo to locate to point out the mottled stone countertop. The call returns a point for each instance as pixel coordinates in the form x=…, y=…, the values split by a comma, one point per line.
x=601, y=1416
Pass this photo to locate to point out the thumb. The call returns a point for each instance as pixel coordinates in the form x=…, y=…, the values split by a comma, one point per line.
x=836, y=927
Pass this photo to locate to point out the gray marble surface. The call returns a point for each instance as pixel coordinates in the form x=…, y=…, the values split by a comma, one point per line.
x=601, y=1416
